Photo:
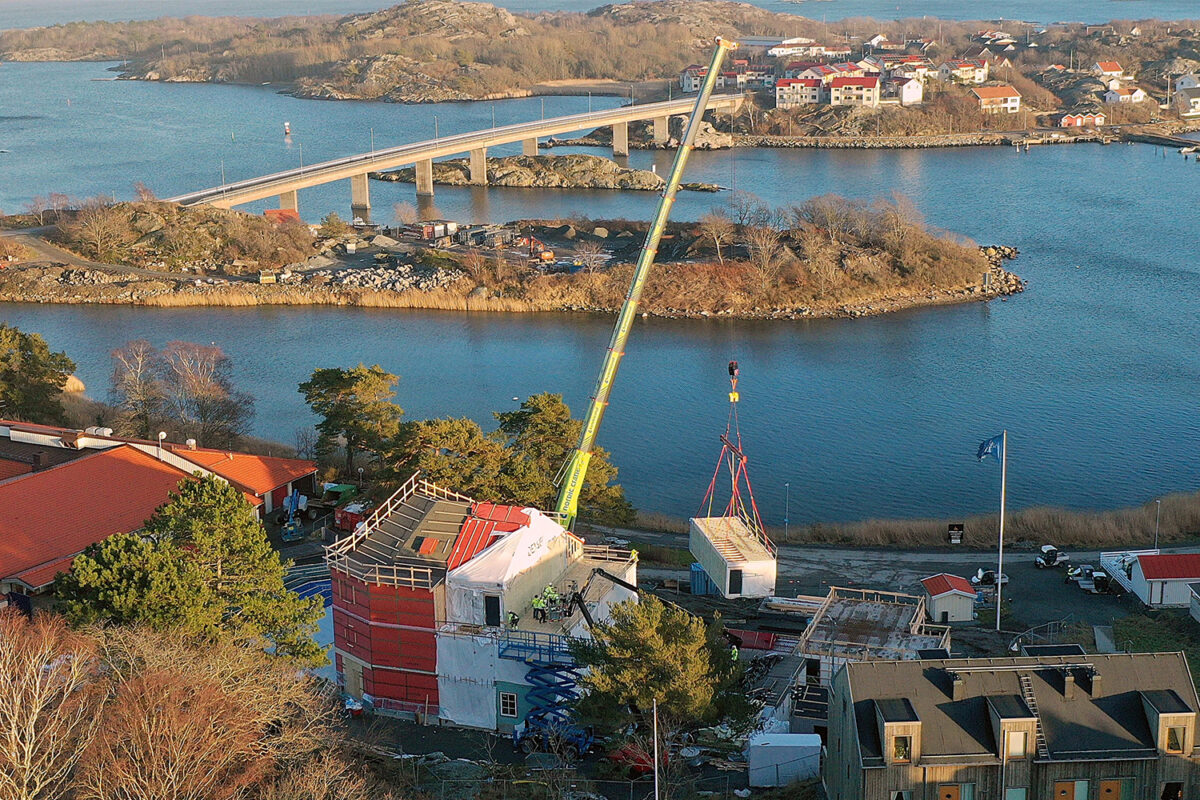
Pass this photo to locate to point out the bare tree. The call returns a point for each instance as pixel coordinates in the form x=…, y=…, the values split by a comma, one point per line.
x=37, y=208
x=98, y=229
x=170, y=735
x=767, y=257
x=820, y=258
x=592, y=255
x=48, y=707
x=199, y=394
x=718, y=227
x=59, y=203
x=745, y=206
x=136, y=387
x=404, y=213
x=143, y=192
x=306, y=442
x=476, y=265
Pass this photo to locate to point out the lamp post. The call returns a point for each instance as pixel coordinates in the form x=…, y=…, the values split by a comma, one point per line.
x=301, y=158
x=360, y=472
x=1157, y=517
x=787, y=507
x=372, y=141
x=435, y=128
x=161, y=435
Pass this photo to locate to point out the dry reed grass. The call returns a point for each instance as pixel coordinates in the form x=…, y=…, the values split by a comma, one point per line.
x=1119, y=528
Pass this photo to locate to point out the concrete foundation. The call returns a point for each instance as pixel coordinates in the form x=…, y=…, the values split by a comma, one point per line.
x=425, y=178
x=620, y=138
x=529, y=147
x=661, y=133
x=289, y=200
x=360, y=197
x=479, y=167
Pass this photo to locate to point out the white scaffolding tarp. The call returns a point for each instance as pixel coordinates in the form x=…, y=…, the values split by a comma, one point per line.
x=467, y=678
x=514, y=569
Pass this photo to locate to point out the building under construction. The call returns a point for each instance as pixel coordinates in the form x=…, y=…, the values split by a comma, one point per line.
x=434, y=601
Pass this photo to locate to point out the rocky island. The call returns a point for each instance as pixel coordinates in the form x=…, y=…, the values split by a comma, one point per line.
x=827, y=257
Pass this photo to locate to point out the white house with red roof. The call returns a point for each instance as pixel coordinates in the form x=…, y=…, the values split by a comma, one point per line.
x=1107, y=69
x=1125, y=94
x=908, y=91
x=969, y=71
x=793, y=92
x=846, y=91
x=949, y=598
x=1160, y=580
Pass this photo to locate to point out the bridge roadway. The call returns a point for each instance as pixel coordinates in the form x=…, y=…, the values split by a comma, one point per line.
x=286, y=184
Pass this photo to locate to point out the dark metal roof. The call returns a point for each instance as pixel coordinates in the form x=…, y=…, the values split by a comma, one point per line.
x=1010, y=706
x=1039, y=650
x=896, y=709
x=1166, y=701
x=811, y=701
x=1099, y=720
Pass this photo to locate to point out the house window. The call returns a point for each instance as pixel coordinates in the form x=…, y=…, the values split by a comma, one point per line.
x=905, y=795
x=508, y=704
x=1175, y=739
x=901, y=749
x=1016, y=794
x=1016, y=741
x=956, y=791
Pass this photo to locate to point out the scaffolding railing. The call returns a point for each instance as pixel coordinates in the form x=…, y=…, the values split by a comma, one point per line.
x=603, y=552
x=525, y=645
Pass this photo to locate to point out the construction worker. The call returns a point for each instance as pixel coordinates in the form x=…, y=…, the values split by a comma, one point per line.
x=550, y=593
x=539, y=608
x=733, y=653
x=513, y=620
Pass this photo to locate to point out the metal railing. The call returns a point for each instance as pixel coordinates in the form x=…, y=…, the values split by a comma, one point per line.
x=603, y=552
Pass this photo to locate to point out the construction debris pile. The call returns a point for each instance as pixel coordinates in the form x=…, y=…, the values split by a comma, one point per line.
x=396, y=277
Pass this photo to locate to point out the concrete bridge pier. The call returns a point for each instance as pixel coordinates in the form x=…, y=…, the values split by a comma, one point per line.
x=425, y=177
x=360, y=197
x=529, y=147
x=661, y=129
x=620, y=138
x=479, y=167
x=289, y=200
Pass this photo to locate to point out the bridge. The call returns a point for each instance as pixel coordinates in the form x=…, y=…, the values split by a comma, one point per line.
x=285, y=185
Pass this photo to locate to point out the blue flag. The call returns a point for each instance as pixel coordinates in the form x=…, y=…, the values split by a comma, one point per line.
x=991, y=448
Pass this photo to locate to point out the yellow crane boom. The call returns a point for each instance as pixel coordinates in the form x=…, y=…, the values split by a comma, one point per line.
x=571, y=476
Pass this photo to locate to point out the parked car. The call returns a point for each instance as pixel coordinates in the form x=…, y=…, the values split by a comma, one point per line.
x=1051, y=557
x=987, y=577
x=1078, y=573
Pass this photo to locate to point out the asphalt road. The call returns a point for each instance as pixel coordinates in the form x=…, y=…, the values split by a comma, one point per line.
x=1038, y=596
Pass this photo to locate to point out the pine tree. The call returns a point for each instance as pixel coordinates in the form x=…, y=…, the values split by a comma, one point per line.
x=128, y=579
x=217, y=530
x=31, y=377
x=355, y=405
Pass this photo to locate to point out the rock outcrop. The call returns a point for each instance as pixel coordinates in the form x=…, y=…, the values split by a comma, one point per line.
x=574, y=171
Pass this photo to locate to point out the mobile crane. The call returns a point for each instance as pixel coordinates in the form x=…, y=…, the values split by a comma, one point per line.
x=570, y=478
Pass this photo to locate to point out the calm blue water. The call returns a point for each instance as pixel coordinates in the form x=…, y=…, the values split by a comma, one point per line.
x=27, y=14
x=1094, y=370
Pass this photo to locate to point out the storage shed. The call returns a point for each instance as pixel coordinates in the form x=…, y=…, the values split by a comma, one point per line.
x=1161, y=580
x=949, y=598
x=738, y=561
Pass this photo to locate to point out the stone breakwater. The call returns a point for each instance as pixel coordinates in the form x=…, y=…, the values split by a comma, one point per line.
x=911, y=142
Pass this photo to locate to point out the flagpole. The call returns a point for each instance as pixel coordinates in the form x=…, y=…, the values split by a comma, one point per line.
x=1003, y=489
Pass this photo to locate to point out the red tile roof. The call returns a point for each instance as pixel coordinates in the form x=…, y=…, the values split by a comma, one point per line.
x=866, y=83
x=257, y=474
x=1170, y=566
x=811, y=83
x=995, y=92
x=944, y=583
x=1108, y=66
x=50, y=516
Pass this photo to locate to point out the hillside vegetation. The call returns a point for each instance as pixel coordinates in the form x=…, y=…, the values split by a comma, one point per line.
x=423, y=50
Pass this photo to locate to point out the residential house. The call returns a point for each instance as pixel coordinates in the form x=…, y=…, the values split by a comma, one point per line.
x=969, y=71
x=949, y=598
x=1126, y=94
x=792, y=92
x=909, y=91
x=1189, y=81
x=861, y=91
x=797, y=46
x=1160, y=580
x=1107, y=69
x=827, y=72
x=1187, y=102
x=1001, y=99
x=1114, y=727
x=881, y=42
x=794, y=68
x=838, y=51
x=691, y=78
x=433, y=615
x=1082, y=119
